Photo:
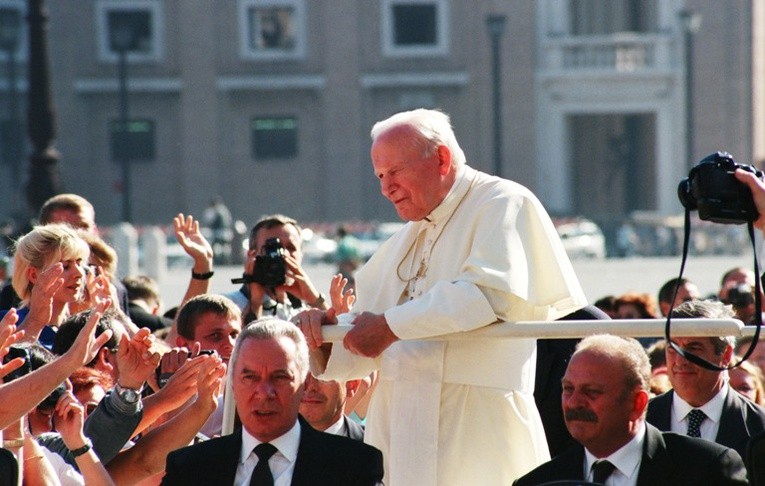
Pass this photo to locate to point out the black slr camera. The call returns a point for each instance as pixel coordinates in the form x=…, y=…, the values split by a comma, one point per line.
x=270, y=267
x=712, y=188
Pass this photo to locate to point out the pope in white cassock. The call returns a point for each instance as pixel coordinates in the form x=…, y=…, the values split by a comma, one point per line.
x=477, y=248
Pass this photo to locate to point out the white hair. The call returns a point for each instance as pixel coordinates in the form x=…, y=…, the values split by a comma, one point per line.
x=433, y=126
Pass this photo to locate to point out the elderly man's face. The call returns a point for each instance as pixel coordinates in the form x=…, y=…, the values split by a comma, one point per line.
x=267, y=387
x=692, y=383
x=323, y=402
x=597, y=408
x=410, y=180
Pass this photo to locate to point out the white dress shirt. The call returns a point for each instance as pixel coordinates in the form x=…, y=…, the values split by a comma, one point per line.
x=282, y=463
x=712, y=409
x=338, y=428
x=626, y=461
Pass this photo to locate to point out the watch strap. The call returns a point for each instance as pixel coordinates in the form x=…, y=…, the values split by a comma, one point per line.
x=82, y=450
x=201, y=276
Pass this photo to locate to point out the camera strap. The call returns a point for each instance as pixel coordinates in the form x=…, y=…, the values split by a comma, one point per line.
x=757, y=304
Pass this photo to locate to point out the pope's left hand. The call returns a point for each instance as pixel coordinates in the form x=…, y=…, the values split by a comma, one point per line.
x=370, y=335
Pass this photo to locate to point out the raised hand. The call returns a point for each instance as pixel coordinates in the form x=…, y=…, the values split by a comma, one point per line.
x=342, y=299
x=48, y=282
x=136, y=359
x=8, y=337
x=193, y=242
x=68, y=418
x=87, y=345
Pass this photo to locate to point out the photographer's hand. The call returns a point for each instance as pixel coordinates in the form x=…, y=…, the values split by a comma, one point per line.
x=254, y=308
x=758, y=194
x=302, y=287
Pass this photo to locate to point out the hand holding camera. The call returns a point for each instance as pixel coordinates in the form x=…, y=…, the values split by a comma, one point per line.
x=714, y=188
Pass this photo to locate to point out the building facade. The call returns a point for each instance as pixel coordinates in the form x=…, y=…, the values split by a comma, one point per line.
x=268, y=103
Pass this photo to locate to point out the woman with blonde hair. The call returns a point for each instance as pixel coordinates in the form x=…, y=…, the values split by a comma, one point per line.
x=49, y=276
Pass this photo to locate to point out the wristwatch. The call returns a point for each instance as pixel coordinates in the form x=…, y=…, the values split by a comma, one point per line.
x=128, y=394
x=82, y=450
x=319, y=301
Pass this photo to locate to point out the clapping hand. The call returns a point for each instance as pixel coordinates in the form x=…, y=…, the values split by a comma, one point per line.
x=136, y=359
x=68, y=418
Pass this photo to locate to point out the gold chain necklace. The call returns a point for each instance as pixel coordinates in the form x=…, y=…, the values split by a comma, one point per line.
x=421, y=270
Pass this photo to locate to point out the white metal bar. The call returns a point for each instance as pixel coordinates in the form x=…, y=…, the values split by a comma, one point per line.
x=552, y=330
x=575, y=329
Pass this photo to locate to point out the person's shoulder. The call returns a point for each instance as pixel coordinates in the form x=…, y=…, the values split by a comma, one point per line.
x=341, y=445
x=567, y=465
x=658, y=400
x=754, y=412
x=202, y=449
x=698, y=447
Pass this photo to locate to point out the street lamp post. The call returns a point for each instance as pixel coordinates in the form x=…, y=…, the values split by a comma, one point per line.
x=123, y=40
x=690, y=22
x=496, y=25
x=10, y=32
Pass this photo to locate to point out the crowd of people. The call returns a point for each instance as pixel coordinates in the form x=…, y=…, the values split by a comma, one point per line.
x=101, y=387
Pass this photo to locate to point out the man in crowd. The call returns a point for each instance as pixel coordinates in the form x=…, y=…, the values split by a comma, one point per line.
x=605, y=413
x=257, y=299
x=476, y=249
x=701, y=404
x=323, y=406
x=144, y=303
x=270, y=364
x=214, y=321
x=686, y=290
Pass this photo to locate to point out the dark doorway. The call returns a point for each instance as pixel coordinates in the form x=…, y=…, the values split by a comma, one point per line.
x=613, y=164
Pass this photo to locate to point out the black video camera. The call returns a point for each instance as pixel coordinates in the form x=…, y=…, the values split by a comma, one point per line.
x=712, y=188
x=270, y=267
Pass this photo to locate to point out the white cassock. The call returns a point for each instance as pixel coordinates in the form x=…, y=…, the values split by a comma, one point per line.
x=461, y=412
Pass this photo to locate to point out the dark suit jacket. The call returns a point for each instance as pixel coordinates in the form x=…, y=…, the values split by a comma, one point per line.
x=141, y=318
x=740, y=420
x=553, y=356
x=353, y=430
x=668, y=459
x=322, y=460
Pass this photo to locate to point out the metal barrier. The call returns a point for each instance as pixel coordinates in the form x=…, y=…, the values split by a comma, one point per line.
x=549, y=330
x=575, y=329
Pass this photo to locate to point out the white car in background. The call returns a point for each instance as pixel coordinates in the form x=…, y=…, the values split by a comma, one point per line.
x=582, y=238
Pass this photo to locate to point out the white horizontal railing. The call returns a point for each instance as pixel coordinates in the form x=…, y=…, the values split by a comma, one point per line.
x=577, y=329
x=622, y=52
x=551, y=330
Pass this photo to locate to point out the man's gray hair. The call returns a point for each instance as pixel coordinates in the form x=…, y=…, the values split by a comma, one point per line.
x=433, y=126
x=708, y=309
x=627, y=352
x=273, y=328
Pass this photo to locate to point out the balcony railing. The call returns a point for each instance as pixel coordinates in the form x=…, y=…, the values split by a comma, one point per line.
x=620, y=53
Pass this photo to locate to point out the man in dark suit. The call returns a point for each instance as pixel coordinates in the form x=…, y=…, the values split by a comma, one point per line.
x=144, y=302
x=728, y=418
x=269, y=365
x=323, y=406
x=605, y=394
x=552, y=358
